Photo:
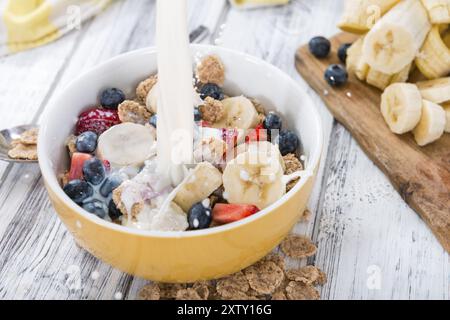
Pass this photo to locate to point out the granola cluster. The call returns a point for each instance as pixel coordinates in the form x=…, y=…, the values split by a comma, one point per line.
x=144, y=88
x=212, y=110
x=211, y=70
x=25, y=147
x=293, y=164
x=267, y=279
x=133, y=111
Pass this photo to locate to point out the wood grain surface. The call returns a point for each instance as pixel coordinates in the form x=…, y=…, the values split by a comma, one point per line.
x=420, y=174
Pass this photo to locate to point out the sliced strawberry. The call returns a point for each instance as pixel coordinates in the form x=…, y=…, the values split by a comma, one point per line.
x=76, y=166
x=203, y=123
x=257, y=134
x=97, y=119
x=225, y=213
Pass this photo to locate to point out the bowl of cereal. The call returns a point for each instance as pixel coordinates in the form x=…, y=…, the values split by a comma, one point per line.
x=257, y=146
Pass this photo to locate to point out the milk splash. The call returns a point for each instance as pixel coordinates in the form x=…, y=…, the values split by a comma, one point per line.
x=175, y=99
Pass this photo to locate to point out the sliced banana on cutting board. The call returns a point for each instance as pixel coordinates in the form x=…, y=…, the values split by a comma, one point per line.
x=436, y=91
x=239, y=112
x=431, y=125
x=254, y=177
x=396, y=38
x=126, y=144
x=446, y=107
x=401, y=107
x=198, y=185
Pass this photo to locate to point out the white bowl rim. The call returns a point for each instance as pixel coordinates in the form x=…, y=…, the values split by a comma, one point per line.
x=52, y=181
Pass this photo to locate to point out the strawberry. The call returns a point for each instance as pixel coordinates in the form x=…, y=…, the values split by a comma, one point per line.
x=257, y=134
x=225, y=213
x=76, y=166
x=107, y=165
x=97, y=120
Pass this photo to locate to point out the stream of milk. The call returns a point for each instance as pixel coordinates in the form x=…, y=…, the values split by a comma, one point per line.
x=175, y=100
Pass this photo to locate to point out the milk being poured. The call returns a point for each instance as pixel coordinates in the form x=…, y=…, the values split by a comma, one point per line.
x=175, y=98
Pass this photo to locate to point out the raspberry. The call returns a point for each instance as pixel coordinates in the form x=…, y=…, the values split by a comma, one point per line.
x=97, y=120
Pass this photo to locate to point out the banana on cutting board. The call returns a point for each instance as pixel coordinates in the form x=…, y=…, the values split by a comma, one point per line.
x=360, y=15
x=199, y=184
x=431, y=125
x=255, y=177
x=394, y=41
x=433, y=60
x=126, y=144
x=438, y=10
x=446, y=107
x=437, y=90
x=357, y=64
x=401, y=107
x=239, y=112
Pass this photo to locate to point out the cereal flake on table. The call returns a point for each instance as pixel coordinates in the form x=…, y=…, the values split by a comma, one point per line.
x=23, y=152
x=187, y=294
x=307, y=275
x=211, y=70
x=264, y=276
x=144, y=88
x=150, y=291
x=212, y=110
x=301, y=291
x=232, y=286
x=132, y=111
x=296, y=246
x=29, y=137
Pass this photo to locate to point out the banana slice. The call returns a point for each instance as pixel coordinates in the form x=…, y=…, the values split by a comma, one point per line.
x=355, y=62
x=431, y=125
x=401, y=105
x=433, y=60
x=239, y=112
x=436, y=91
x=360, y=15
x=396, y=38
x=126, y=144
x=438, y=10
x=254, y=177
x=198, y=185
x=446, y=107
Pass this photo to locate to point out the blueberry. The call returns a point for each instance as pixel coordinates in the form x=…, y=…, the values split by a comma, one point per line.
x=319, y=47
x=111, y=98
x=272, y=121
x=78, y=190
x=199, y=216
x=153, y=120
x=96, y=207
x=87, y=142
x=110, y=184
x=113, y=212
x=94, y=171
x=197, y=114
x=336, y=75
x=287, y=142
x=211, y=90
x=342, y=51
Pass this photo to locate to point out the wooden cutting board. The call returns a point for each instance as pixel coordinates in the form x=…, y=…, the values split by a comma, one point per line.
x=420, y=174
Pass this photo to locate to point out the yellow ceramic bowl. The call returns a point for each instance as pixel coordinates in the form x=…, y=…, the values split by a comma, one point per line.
x=193, y=255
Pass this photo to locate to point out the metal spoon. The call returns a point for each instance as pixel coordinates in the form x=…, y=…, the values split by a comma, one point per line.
x=7, y=136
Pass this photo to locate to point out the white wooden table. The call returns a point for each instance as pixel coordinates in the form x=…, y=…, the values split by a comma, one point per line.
x=371, y=244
